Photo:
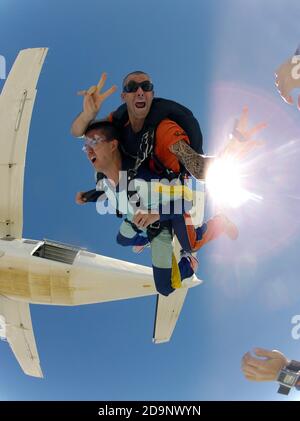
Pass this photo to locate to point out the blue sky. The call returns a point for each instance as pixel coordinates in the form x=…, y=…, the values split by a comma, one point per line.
x=213, y=57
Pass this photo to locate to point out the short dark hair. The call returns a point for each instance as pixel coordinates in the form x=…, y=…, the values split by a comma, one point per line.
x=108, y=129
x=136, y=72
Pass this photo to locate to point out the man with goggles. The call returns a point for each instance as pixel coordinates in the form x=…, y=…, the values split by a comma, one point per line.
x=101, y=146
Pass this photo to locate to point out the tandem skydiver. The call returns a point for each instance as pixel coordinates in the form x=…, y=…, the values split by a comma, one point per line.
x=101, y=144
x=163, y=137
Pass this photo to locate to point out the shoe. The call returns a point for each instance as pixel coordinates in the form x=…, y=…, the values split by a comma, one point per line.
x=140, y=249
x=191, y=258
x=228, y=227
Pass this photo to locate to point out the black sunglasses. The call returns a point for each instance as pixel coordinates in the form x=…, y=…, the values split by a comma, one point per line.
x=133, y=86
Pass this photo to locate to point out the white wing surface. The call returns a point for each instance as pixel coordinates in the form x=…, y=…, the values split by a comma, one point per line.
x=16, y=104
x=16, y=328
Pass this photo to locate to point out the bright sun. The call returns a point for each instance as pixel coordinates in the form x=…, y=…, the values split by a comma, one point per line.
x=224, y=183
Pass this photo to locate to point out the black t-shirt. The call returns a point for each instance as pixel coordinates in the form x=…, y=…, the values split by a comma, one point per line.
x=130, y=141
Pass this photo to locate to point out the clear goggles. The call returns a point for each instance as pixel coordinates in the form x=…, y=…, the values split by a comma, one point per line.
x=90, y=143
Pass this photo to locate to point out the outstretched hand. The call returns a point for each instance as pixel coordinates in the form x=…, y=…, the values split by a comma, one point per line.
x=80, y=199
x=265, y=366
x=93, y=98
x=241, y=141
x=287, y=78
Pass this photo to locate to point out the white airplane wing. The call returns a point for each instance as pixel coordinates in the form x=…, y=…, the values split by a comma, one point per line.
x=168, y=308
x=16, y=328
x=167, y=313
x=16, y=104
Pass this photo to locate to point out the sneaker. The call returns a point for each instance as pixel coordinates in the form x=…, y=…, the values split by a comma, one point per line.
x=191, y=258
x=228, y=227
x=140, y=249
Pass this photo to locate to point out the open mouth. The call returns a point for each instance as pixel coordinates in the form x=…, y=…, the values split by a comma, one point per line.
x=93, y=159
x=140, y=104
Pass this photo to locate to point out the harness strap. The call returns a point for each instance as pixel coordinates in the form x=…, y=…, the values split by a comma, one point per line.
x=154, y=229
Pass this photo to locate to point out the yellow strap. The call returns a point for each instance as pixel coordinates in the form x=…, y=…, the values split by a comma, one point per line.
x=175, y=277
x=180, y=190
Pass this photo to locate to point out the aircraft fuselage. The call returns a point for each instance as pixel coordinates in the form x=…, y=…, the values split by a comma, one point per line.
x=31, y=272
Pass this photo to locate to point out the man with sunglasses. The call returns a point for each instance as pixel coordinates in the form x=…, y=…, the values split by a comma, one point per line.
x=172, y=148
x=137, y=94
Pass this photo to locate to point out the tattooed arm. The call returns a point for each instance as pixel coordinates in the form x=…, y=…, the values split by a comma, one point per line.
x=195, y=163
x=240, y=144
